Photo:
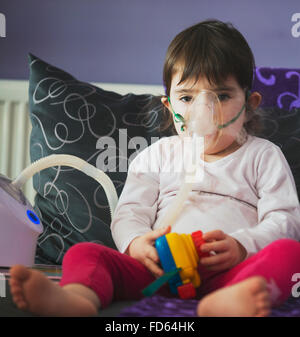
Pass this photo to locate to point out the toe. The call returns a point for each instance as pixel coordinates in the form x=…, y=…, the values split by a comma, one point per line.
x=16, y=292
x=263, y=299
x=263, y=313
x=15, y=287
x=258, y=284
x=263, y=305
x=17, y=295
x=19, y=300
x=19, y=272
x=21, y=304
x=14, y=284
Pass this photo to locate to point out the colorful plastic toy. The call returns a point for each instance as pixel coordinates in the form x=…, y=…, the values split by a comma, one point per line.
x=179, y=256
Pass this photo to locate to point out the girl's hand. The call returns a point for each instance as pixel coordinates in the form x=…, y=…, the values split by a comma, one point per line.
x=142, y=248
x=229, y=252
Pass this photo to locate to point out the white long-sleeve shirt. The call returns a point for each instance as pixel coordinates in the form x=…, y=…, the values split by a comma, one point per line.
x=249, y=194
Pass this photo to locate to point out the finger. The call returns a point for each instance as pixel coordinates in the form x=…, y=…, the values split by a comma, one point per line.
x=219, y=267
x=216, y=259
x=158, y=232
x=152, y=254
x=153, y=267
x=214, y=235
x=216, y=246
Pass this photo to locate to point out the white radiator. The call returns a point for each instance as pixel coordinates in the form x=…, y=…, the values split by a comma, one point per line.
x=15, y=130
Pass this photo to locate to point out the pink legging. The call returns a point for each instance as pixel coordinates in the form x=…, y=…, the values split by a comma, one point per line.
x=116, y=276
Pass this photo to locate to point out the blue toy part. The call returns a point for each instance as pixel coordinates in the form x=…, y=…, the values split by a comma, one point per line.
x=168, y=263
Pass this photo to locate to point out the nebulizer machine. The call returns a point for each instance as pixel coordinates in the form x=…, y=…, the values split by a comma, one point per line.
x=202, y=123
x=20, y=225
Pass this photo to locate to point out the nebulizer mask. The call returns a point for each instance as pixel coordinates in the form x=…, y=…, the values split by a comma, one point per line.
x=209, y=115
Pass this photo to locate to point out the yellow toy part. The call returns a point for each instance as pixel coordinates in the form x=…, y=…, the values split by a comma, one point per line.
x=185, y=257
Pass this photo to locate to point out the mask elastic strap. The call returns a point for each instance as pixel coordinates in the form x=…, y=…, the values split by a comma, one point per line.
x=178, y=117
x=248, y=93
x=233, y=119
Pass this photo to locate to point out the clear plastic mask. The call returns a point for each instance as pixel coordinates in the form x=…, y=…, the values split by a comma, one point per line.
x=209, y=116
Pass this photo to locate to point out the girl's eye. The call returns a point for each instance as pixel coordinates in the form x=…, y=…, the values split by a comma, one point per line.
x=186, y=99
x=223, y=97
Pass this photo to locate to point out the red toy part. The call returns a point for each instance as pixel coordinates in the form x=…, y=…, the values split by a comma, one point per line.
x=186, y=291
x=198, y=241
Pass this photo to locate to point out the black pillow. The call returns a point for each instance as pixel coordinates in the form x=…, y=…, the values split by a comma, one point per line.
x=282, y=127
x=73, y=117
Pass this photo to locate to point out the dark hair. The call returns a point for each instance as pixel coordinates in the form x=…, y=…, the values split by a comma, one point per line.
x=215, y=50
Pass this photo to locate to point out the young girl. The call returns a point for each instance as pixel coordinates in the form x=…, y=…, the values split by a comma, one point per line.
x=246, y=204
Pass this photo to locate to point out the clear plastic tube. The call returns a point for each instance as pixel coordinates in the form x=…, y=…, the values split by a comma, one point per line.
x=75, y=162
x=202, y=117
x=175, y=208
x=68, y=160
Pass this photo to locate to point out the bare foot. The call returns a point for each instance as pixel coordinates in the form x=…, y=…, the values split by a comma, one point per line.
x=32, y=290
x=249, y=298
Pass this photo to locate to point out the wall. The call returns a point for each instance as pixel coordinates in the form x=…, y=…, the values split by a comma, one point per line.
x=125, y=40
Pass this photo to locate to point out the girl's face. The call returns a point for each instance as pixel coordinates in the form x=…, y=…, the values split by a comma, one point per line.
x=231, y=99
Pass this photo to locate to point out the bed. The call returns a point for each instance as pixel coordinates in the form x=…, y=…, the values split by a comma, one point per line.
x=54, y=112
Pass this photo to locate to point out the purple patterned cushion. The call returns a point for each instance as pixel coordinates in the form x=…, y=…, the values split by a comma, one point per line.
x=159, y=306
x=279, y=87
